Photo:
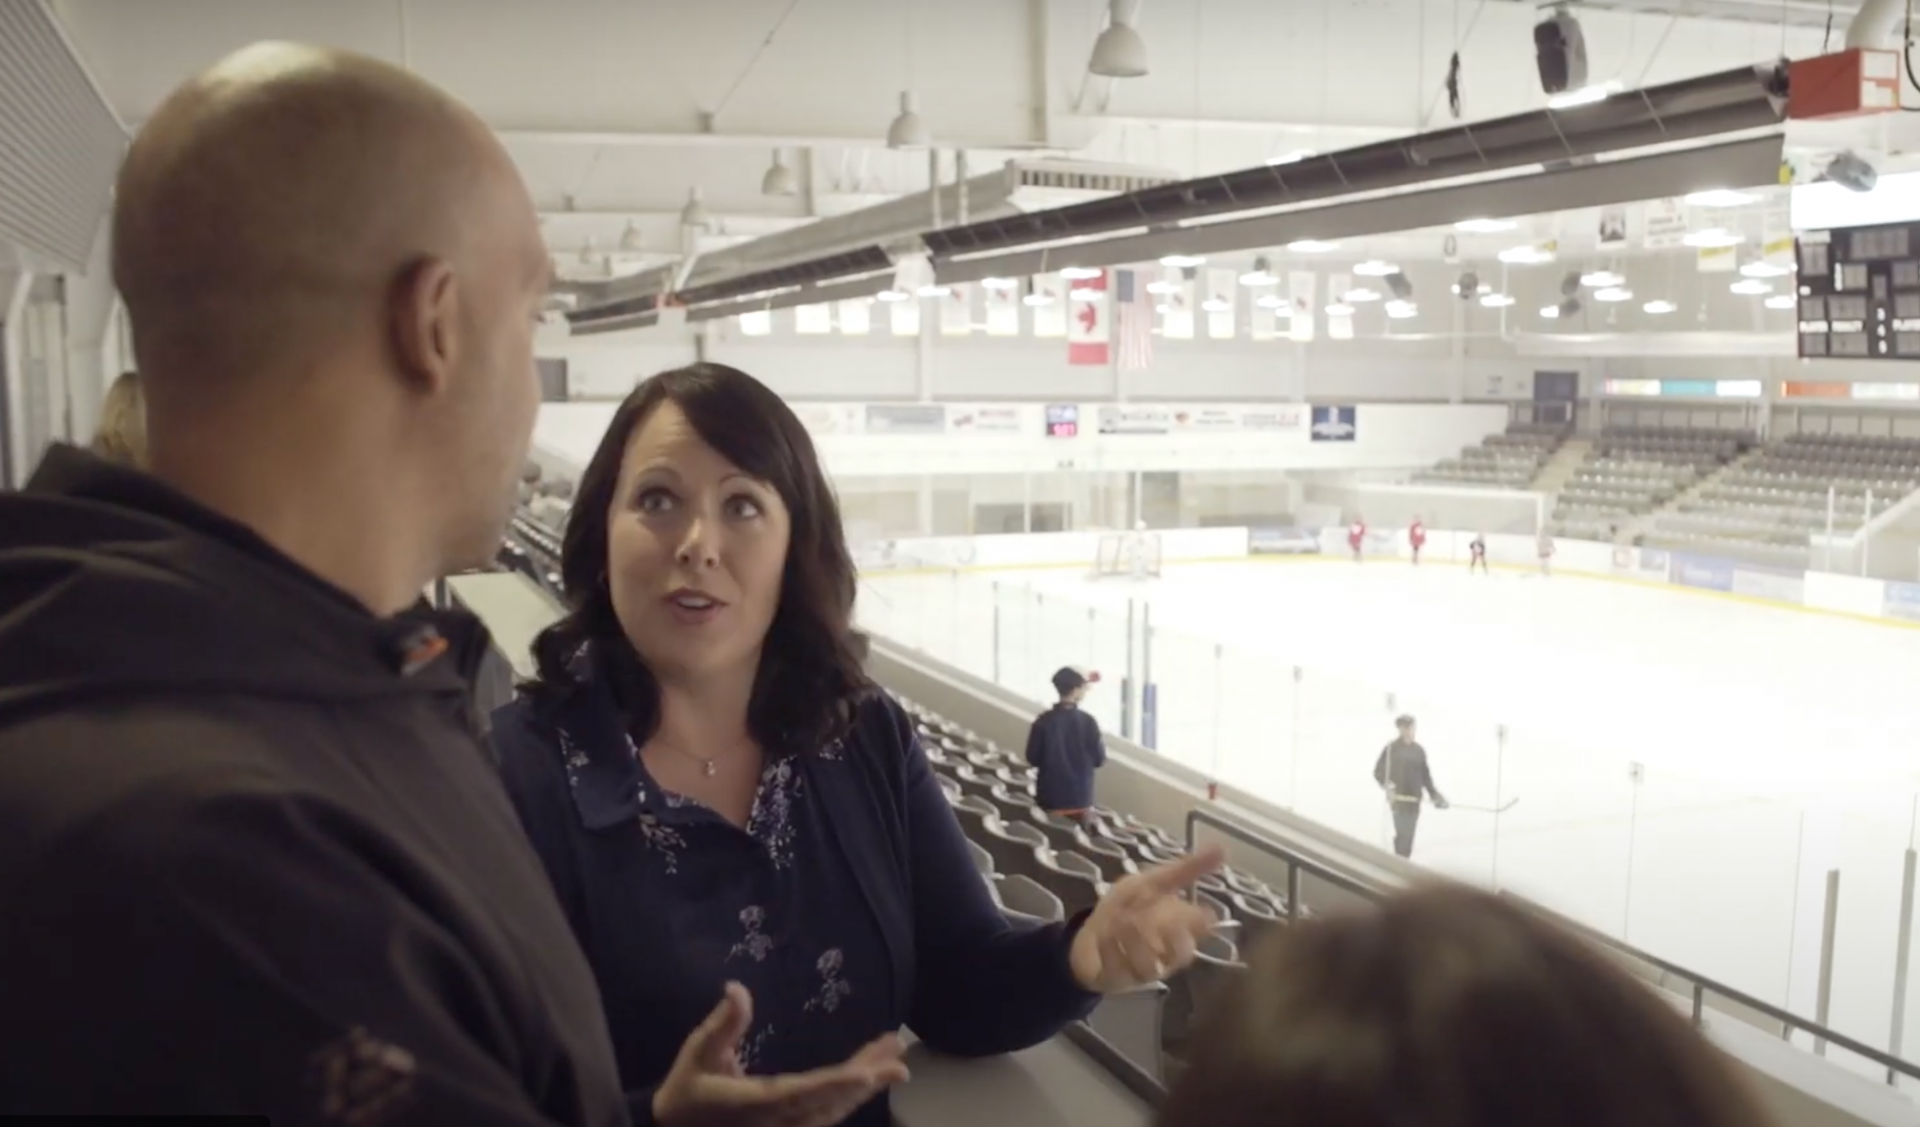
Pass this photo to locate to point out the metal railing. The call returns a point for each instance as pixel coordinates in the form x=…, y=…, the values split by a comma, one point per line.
x=1700, y=987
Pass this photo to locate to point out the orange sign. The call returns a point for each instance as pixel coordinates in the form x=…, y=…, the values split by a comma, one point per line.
x=1794, y=389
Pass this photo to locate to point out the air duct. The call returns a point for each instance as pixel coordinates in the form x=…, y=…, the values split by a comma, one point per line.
x=1877, y=24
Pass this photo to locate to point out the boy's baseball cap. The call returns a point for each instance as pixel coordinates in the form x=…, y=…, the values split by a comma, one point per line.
x=1072, y=677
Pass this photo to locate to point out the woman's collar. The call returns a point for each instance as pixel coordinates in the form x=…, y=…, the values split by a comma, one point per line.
x=603, y=772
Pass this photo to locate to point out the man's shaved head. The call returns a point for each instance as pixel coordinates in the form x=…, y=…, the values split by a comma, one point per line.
x=334, y=242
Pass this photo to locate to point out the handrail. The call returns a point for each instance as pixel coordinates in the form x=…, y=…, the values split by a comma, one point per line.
x=1701, y=985
x=1131, y=1076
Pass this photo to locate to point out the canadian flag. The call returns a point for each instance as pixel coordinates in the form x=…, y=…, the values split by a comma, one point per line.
x=1088, y=333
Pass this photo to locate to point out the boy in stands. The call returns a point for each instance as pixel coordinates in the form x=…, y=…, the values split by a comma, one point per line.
x=1477, y=554
x=1546, y=553
x=1417, y=537
x=1357, y=535
x=1403, y=775
x=1065, y=744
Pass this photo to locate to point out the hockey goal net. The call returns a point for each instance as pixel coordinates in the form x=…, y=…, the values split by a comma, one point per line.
x=1132, y=554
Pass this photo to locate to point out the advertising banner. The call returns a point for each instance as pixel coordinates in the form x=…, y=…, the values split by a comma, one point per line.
x=1770, y=583
x=1274, y=418
x=1206, y=418
x=906, y=418
x=987, y=420
x=1654, y=561
x=1623, y=561
x=828, y=418
x=1134, y=420
x=1709, y=573
x=1335, y=424
x=1283, y=541
x=1902, y=601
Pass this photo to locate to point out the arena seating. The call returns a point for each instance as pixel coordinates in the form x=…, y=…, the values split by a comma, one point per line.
x=532, y=549
x=1039, y=866
x=1766, y=510
x=1633, y=472
x=1501, y=461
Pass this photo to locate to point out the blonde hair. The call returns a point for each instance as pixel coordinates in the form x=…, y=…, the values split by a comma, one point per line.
x=122, y=436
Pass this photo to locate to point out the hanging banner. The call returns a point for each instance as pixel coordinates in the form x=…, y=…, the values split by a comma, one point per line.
x=1263, y=319
x=813, y=320
x=1665, y=222
x=1047, y=297
x=903, y=316
x=757, y=323
x=956, y=311
x=1613, y=227
x=1221, y=304
x=1088, y=331
x=1301, y=285
x=1717, y=260
x=1776, y=240
x=1003, y=309
x=1339, y=324
x=856, y=316
x=1176, y=303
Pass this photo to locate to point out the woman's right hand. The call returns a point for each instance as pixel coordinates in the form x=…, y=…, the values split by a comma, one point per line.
x=708, y=1088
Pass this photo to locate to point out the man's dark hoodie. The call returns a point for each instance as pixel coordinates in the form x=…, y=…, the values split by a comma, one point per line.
x=253, y=857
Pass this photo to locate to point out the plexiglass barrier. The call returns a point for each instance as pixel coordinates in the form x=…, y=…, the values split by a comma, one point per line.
x=1725, y=873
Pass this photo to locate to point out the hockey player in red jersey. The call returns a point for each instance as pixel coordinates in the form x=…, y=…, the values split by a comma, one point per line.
x=1357, y=536
x=1417, y=537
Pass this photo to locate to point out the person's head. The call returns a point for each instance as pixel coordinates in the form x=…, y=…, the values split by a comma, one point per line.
x=1405, y=726
x=704, y=545
x=1448, y=1007
x=1071, y=684
x=333, y=273
x=122, y=436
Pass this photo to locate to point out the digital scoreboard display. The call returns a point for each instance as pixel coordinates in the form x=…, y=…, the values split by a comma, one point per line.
x=1860, y=293
x=1063, y=420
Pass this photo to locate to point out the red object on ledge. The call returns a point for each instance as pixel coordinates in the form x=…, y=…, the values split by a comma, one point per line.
x=1851, y=83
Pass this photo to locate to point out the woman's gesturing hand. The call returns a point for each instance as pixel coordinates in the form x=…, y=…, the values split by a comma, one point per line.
x=1141, y=931
x=708, y=1088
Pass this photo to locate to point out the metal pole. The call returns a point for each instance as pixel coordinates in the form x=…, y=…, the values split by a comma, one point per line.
x=1902, y=956
x=996, y=632
x=1832, y=501
x=1293, y=766
x=1219, y=675
x=1825, y=998
x=1499, y=798
x=960, y=179
x=1130, y=682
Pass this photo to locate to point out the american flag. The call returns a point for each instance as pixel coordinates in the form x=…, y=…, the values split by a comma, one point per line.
x=1133, y=320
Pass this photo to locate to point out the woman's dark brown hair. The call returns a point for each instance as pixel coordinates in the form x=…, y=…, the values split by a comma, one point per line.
x=1448, y=1007
x=811, y=676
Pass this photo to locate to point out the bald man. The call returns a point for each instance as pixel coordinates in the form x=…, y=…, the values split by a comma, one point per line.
x=253, y=857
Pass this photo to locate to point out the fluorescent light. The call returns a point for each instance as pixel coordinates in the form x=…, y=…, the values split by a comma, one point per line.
x=1339, y=309
x=1782, y=301
x=1751, y=286
x=933, y=291
x=1585, y=96
x=1401, y=310
x=1485, y=226
x=1362, y=294
x=1163, y=287
x=1257, y=278
x=1080, y=294
x=1216, y=305
x=1312, y=246
x=1526, y=255
x=1076, y=273
x=1496, y=300
x=1714, y=237
x=1764, y=270
x=1613, y=293
x=1163, y=309
x=1374, y=268
x=1601, y=279
x=1818, y=207
x=1721, y=197
x=891, y=295
x=1037, y=299
x=1183, y=261
x=1291, y=157
x=1658, y=307
x=998, y=284
x=1271, y=301
x=1550, y=312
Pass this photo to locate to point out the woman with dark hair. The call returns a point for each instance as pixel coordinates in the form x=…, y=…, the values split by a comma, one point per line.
x=1449, y=1007
x=741, y=827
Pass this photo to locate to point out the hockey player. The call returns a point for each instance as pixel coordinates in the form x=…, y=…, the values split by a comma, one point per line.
x=1404, y=776
x=1417, y=538
x=1357, y=535
x=1065, y=744
x=1477, y=554
x=1545, y=548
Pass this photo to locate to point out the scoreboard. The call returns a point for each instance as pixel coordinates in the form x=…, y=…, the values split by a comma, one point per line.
x=1860, y=292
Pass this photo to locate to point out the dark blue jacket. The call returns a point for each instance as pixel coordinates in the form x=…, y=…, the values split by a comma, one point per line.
x=1065, y=744
x=889, y=869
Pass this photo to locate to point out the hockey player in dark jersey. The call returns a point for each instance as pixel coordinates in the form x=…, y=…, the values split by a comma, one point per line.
x=1403, y=774
x=1477, y=554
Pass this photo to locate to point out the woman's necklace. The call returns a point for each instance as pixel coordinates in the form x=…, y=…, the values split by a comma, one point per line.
x=709, y=765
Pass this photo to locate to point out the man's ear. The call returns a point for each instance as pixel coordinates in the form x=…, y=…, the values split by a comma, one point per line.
x=423, y=318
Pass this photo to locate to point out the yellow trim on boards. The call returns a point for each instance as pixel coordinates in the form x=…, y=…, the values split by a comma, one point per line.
x=1624, y=580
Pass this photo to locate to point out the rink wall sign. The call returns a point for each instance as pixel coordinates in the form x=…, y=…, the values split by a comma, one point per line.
x=1335, y=424
x=1283, y=541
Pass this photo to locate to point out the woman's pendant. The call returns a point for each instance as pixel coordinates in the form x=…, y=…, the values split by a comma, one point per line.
x=712, y=768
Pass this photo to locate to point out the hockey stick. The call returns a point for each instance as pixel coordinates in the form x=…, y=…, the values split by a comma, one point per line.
x=1500, y=809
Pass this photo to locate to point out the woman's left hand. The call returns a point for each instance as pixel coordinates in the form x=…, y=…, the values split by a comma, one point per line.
x=1141, y=931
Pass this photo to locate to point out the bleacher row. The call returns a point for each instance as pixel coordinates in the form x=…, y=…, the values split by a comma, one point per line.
x=1631, y=474
x=1039, y=866
x=1509, y=460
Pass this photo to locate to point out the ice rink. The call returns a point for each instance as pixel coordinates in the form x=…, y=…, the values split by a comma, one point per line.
x=1688, y=767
